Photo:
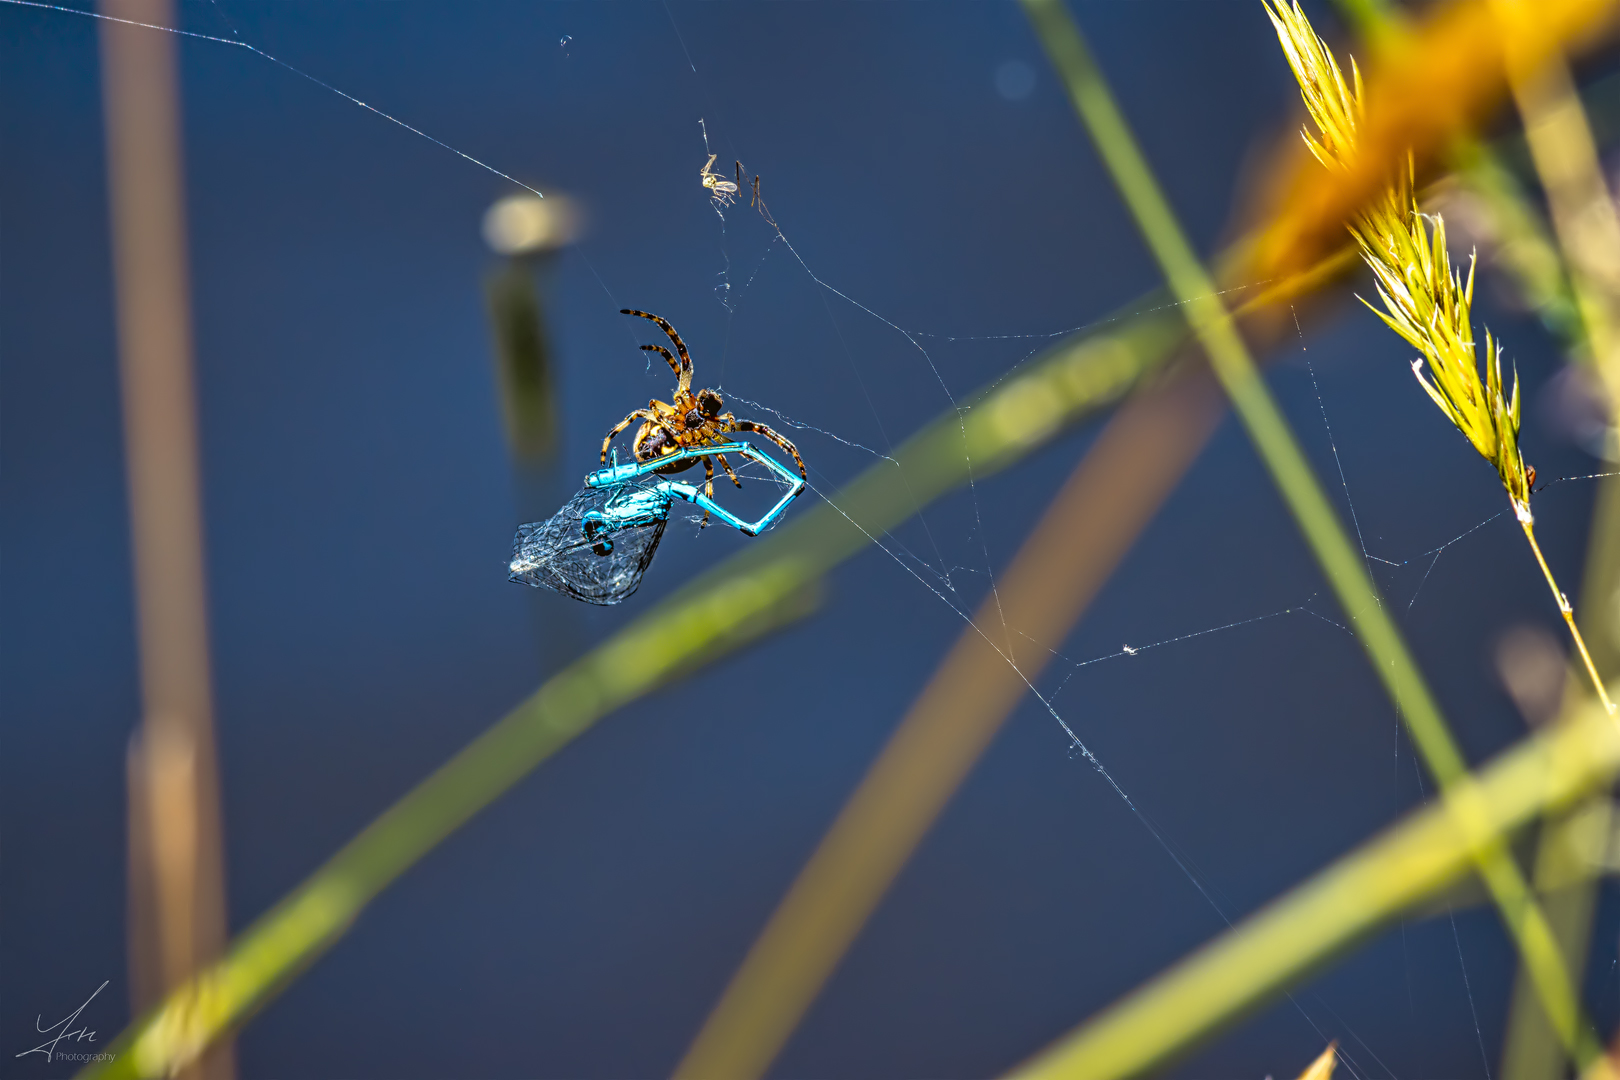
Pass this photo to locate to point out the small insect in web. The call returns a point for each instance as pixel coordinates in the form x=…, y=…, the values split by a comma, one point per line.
x=721, y=190
x=598, y=546
x=724, y=192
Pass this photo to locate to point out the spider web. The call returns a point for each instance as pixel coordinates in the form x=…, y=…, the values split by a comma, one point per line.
x=938, y=576
x=951, y=549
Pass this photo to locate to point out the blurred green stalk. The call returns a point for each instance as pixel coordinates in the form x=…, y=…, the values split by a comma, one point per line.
x=523, y=363
x=1229, y=357
x=736, y=602
x=1524, y=244
x=1294, y=936
x=1533, y=262
x=526, y=385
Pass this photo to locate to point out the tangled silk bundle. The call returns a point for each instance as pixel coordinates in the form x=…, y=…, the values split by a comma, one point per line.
x=558, y=554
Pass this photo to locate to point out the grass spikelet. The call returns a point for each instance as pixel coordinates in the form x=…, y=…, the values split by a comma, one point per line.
x=1425, y=301
x=1322, y=1067
x=1436, y=83
x=1334, y=106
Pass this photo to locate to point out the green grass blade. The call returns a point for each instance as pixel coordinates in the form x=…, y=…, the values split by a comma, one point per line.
x=1526, y=252
x=718, y=612
x=1346, y=573
x=1295, y=935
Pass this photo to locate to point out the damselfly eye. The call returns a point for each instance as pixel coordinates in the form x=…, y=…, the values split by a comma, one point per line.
x=594, y=527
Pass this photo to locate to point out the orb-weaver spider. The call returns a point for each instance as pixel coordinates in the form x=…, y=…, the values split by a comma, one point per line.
x=690, y=421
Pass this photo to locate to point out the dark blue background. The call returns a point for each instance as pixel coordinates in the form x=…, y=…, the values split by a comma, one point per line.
x=359, y=507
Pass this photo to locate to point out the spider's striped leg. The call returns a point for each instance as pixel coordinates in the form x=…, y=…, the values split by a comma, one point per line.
x=708, y=486
x=673, y=366
x=685, y=371
x=729, y=473
x=750, y=425
x=639, y=414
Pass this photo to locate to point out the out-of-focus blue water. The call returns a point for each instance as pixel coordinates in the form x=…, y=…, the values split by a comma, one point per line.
x=359, y=511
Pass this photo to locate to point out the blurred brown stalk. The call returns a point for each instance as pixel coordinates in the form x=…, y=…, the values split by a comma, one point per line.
x=1425, y=91
x=1114, y=492
x=1090, y=525
x=176, y=876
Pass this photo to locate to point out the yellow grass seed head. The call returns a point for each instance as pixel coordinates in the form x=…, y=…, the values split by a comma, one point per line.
x=1425, y=301
x=1334, y=105
x=1438, y=80
x=1428, y=304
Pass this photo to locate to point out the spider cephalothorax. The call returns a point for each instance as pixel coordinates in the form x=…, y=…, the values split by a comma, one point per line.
x=690, y=420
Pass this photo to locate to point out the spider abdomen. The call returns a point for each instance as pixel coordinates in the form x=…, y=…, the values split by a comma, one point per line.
x=657, y=444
